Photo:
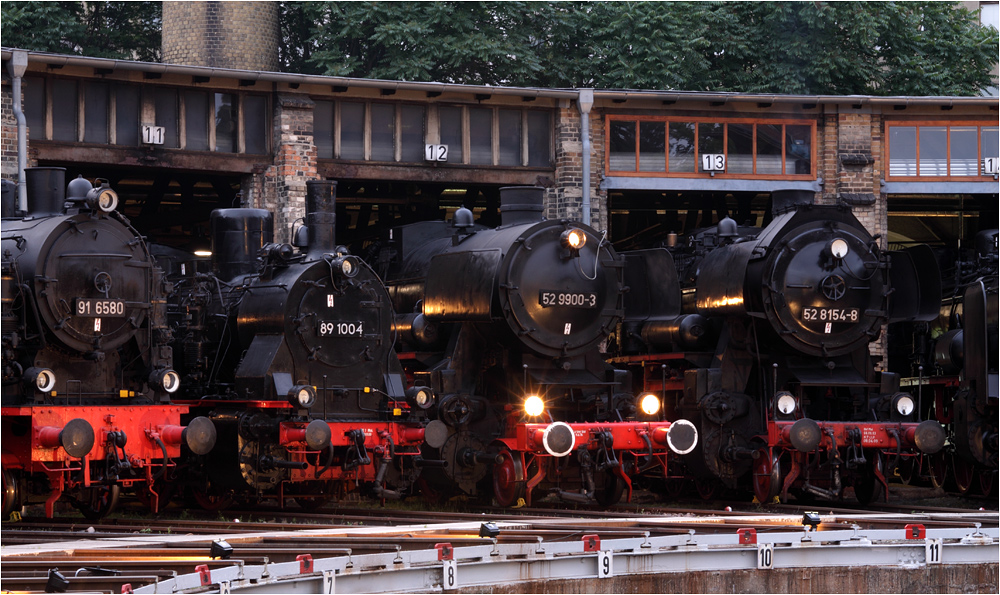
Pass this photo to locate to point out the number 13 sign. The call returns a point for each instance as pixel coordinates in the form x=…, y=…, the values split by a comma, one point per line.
x=713, y=162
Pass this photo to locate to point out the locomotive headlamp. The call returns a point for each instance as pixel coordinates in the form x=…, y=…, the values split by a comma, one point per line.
x=534, y=406
x=649, y=404
x=168, y=380
x=786, y=403
x=302, y=396
x=838, y=248
x=104, y=199
x=903, y=404
x=420, y=397
x=346, y=266
x=44, y=379
x=574, y=239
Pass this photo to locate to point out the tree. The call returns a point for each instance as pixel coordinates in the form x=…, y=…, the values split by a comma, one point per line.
x=122, y=30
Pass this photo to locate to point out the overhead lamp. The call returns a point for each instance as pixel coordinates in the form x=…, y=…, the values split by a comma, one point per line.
x=649, y=404
x=534, y=406
x=838, y=248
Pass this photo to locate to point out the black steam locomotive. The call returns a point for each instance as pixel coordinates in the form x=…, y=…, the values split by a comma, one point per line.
x=87, y=364
x=289, y=352
x=507, y=327
x=955, y=375
x=767, y=351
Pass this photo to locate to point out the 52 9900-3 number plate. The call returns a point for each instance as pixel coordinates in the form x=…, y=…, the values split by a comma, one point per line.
x=99, y=307
x=340, y=329
x=567, y=299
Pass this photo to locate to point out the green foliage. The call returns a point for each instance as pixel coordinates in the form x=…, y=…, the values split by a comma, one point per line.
x=837, y=48
x=123, y=30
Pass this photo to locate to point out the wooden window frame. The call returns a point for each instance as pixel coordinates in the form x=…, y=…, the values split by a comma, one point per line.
x=947, y=124
x=666, y=120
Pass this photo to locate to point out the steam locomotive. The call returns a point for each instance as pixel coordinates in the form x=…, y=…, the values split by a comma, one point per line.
x=507, y=327
x=954, y=372
x=766, y=350
x=288, y=350
x=87, y=363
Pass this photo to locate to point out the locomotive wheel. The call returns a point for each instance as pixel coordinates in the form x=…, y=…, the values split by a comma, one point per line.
x=766, y=477
x=508, y=479
x=707, y=489
x=11, y=494
x=164, y=491
x=313, y=499
x=987, y=482
x=907, y=469
x=937, y=465
x=673, y=487
x=964, y=474
x=612, y=490
x=867, y=487
x=98, y=502
x=212, y=502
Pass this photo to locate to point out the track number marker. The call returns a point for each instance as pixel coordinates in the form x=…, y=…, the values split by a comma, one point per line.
x=765, y=556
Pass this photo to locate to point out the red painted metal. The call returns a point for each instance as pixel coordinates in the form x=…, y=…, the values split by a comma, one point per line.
x=445, y=551
x=747, y=536
x=592, y=543
x=626, y=435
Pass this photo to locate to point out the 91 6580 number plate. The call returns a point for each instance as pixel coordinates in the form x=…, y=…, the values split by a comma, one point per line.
x=830, y=314
x=340, y=329
x=99, y=307
x=568, y=299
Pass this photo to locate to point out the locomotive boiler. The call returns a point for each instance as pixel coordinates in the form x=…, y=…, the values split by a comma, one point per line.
x=289, y=351
x=87, y=364
x=507, y=327
x=767, y=352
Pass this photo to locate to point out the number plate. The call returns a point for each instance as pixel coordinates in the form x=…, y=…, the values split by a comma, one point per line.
x=328, y=328
x=104, y=308
x=831, y=314
x=568, y=299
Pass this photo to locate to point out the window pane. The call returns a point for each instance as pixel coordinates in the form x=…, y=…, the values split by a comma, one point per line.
x=652, y=146
x=769, y=149
x=798, y=149
x=127, y=116
x=964, y=151
x=34, y=105
x=933, y=151
x=740, y=149
x=323, y=129
x=352, y=130
x=710, y=137
x=95, y=106
x=451, y=131
x=990, y=143
x=510, y=137
x=64, y=106
x=226, y=134
x=412, y=134
x=539, y=138
x=166, y=116
x=481, y=136
x=622, y=149
x=682, y=147
x=903, y=151
x=383, y=132
x=196, y=121
x=255, y=124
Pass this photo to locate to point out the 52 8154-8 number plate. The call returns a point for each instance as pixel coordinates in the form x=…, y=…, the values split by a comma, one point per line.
x=99, y=307
x=831, y=314
x=328, y=328
x=567, y=298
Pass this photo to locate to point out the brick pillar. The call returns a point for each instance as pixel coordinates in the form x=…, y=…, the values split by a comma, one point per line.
x=281, y=187
x=853, y=167
x=8, y=150
x=566, y=200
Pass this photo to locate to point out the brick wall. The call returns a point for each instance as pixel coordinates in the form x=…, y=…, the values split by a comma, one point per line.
x=241, y=35
x=281, y=187
x=8, y=139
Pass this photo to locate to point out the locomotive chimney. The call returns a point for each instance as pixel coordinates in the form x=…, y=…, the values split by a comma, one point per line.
x=321, y=216
x=46, y=190
x=786, y=200
x=237, y=236
x=521, y=204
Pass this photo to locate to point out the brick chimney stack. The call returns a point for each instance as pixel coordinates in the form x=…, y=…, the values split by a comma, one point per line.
x=239, y=35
